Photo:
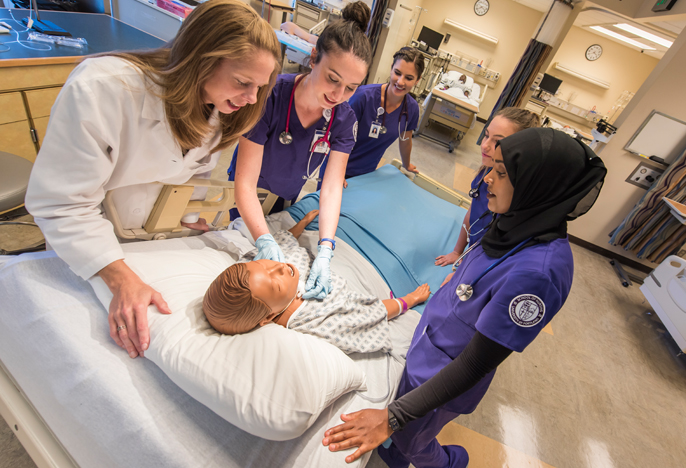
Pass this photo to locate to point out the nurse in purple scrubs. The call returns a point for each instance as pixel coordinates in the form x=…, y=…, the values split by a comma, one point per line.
x=506, y=289
x=306, y=121
x=386, y=113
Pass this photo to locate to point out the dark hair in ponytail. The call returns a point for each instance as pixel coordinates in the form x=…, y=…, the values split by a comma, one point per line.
x=357, y=12
x=347, y=35
x=410, y=55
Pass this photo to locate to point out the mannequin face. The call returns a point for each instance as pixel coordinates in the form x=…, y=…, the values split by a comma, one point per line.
x=274, y=283
x=500, y=189
x=499, y=128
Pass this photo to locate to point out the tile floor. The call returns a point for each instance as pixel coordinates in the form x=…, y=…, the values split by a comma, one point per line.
x=605, y=387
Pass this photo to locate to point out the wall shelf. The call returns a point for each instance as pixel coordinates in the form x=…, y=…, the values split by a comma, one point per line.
x=582, y=76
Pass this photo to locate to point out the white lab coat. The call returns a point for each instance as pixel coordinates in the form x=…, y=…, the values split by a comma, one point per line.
x=107, y=131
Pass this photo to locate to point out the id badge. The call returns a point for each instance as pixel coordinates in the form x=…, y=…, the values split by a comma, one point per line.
x=375, y=130
x=322, y=146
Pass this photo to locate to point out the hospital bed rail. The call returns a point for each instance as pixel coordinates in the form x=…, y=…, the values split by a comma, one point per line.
x=174, y=201
x=434, y=187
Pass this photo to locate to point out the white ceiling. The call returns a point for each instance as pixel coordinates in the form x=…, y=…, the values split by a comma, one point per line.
x=594, y=15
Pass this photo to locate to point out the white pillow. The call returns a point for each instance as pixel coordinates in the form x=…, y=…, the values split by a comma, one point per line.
x=272, y=382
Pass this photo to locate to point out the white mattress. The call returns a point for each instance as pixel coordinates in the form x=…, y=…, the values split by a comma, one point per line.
x=108, y=410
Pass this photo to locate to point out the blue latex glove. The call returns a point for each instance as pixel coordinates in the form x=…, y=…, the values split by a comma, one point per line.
x=319, y=282
x=267, y=248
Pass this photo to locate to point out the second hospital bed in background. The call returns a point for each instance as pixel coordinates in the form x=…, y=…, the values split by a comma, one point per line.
x=448, y=105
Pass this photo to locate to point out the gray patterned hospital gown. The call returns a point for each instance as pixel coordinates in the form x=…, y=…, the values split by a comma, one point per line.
x=350, y=321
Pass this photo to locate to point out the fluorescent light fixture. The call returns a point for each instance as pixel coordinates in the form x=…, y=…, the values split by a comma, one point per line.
x=582, y=76
x=469, y=30
x=618, y=36
x=645, y=34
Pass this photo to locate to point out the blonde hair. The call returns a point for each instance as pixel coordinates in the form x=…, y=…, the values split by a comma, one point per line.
x=229, y=305
x=213, y=31
x=522, y=118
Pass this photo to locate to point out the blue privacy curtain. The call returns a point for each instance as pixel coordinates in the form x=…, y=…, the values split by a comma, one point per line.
x=650, y=230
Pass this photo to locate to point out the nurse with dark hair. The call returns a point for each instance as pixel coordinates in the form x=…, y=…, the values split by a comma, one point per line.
x=506, y=289
x=307, y=121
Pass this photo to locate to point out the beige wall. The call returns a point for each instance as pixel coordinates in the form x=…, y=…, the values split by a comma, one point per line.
x=662, y=91
x=622, y=67
x=512, y=23
x=395, y=37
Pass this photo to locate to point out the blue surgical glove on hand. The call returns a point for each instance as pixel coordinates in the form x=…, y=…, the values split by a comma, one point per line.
x=267, y=248
x=319, y=282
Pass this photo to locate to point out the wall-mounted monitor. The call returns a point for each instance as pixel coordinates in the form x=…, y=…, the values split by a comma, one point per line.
x=550, y=84
x=430, y=37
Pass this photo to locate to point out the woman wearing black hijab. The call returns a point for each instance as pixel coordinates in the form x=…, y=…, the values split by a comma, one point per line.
x=506, y=289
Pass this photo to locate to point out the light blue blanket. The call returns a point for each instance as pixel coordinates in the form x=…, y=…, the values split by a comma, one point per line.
x=399, y=227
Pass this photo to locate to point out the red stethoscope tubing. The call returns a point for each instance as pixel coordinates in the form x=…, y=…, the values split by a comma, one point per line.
x=286, y=139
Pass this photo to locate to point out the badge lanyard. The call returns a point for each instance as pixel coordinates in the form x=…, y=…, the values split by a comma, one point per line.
x=375, y=130
x=474, y=193
x=465, y=291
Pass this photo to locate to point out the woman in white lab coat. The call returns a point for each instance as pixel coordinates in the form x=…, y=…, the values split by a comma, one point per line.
x=125, y=121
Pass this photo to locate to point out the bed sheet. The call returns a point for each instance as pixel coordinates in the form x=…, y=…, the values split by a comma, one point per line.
x=397, y=226
x=108, y=410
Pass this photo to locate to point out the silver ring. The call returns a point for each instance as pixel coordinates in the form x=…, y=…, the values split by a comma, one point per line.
x=121, y=327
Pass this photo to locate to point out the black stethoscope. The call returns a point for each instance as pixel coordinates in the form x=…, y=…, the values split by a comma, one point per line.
x=381, y=112
x=465, y=291
x=474, y=193
x=286, y=138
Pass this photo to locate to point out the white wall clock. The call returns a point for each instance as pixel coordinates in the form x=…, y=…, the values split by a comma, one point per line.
x=481, y=7
x=594, y=52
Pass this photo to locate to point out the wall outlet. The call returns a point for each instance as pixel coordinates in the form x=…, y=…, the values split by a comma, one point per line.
x=454, y=60
x=644, y=176
x=388, y=18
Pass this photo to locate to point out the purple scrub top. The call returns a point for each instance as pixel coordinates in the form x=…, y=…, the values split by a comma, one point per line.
x=283, y=166
x=368, y=151
x=511, y=304
x=479, y=207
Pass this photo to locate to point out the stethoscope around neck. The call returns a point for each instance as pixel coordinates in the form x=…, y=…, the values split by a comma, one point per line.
x=381, y=112
x=465, y=291
x=286, y=137
x=474, y=193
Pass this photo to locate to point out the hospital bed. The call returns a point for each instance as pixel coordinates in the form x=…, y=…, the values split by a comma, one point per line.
x=448, y=106
x=73, y=398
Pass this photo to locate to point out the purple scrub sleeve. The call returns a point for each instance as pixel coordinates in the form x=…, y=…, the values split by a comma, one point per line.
x=479, y=207
x=368, y=151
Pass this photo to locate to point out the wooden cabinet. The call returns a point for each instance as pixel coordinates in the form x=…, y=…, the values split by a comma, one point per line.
x=27, y=94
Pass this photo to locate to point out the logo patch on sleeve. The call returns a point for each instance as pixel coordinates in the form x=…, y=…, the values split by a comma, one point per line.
x=527, y=310
x=355, y=131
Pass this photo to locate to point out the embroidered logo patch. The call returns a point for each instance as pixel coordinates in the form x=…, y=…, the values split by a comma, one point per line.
x=527, y=310
x=355, y=132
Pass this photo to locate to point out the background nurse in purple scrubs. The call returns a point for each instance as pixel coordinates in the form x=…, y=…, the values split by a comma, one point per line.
x=506, y=289
x=386, y=113
x=280, y=153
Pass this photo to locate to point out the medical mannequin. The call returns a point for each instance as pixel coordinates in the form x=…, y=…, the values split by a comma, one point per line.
x=250, y=295
x=307, y=120
x=126, y=121
x=505, y=290
x=386, y=113
x=506, y=122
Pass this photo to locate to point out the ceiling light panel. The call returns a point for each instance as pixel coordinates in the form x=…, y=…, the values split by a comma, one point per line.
x=644, y=34
x=619, y=37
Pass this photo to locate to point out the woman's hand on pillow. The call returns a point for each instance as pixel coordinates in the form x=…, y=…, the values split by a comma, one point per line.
x=366, y=430
x=128, y=314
